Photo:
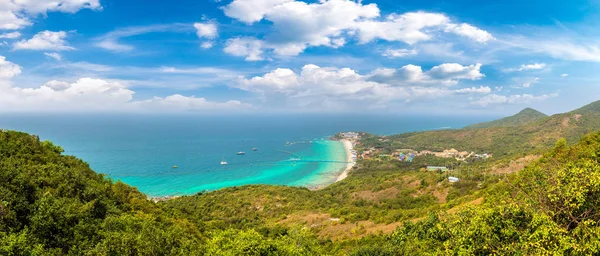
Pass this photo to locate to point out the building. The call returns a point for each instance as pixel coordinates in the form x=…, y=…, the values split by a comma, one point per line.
x=350, y=135
x=452, y=179
x=401, y=157
x=482, y=156
x=437, y=168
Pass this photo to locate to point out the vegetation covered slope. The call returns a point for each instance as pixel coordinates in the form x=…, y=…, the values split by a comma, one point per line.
x=526, y=116
x=52, y=204
x=550, y=207
x=502, y=141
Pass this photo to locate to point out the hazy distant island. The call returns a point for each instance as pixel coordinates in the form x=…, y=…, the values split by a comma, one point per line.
x=525, y=184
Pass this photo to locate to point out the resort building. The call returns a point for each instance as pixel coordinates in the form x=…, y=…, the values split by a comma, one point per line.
x=350, y=135
x=482, y=156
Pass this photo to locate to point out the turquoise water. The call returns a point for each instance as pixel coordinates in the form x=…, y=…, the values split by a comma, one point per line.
x=142, y=150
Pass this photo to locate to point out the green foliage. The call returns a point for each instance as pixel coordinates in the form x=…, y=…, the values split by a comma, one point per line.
x=567, y=183
x=249, y=242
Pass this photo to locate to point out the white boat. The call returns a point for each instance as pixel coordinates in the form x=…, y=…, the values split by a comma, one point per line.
x=241, y=153
x=223, y=163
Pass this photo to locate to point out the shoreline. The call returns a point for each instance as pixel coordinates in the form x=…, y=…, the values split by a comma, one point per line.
x=335, y=175
x=348, y=145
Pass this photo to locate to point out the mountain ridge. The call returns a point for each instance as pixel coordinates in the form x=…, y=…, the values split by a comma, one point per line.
x=532, y=135
x=525, y=116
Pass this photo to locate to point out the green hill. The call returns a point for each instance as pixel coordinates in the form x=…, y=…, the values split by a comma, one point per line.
x=501, y=140
x=526, y=116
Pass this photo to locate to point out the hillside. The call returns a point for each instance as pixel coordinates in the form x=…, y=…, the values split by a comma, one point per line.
x=502, y=141
x=526, y=116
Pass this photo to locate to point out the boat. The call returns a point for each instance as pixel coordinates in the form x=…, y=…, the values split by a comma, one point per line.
x=223, y=162
x=175, y=166
x=241, y=153
x=254, y=149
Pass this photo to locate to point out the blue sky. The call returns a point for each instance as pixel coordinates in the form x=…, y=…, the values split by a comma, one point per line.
x=288, y=56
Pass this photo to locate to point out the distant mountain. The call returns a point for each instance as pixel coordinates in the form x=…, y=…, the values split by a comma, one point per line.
x=526, y=116
x=526, y=132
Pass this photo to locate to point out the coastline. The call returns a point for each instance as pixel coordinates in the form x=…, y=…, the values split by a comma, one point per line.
x=348, y=145
x=339, y=151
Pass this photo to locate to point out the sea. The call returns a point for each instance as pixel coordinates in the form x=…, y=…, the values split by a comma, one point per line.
x=172, y=155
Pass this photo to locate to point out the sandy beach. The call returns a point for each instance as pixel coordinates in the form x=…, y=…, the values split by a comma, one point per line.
x=348, y=146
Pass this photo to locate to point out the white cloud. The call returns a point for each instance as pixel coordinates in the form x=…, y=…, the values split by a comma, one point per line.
x=250, y=48
x=564, y=75
x=334, y=89
x=251, y=11
x=445, y=74
x=111, y=41
x=53, y=55
x=559, y=48
x=9, y=20
x=207, y=45
x=206, y=30
x=456, y=71
x=318, y=83
x=85, y=94
x=11, y=35
x=91, y=94
x=16, y=14
x=179, y=102
x=526, y=67
x=69, y=6
x=45, y=40
x=534, y=66
x=527, y=84
x=470, y=32
x=114, y=46
x=8, y=69
x=474, y=90
x=495, y=99
x=399, y=53
x=297, y=25
x=408, y=27
x=278, y=80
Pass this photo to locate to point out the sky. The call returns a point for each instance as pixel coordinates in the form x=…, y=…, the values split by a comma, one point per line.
x=461, y=57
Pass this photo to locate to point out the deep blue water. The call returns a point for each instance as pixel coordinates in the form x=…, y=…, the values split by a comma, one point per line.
x=141, y=150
